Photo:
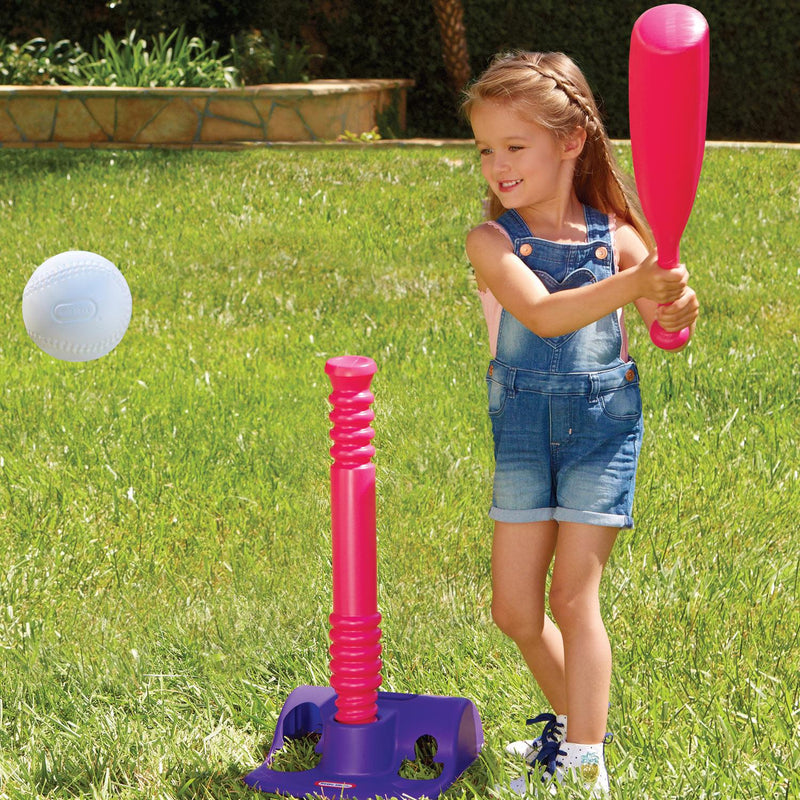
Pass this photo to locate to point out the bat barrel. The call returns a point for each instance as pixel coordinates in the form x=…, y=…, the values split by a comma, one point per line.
x=668, y=104
x=668, y=99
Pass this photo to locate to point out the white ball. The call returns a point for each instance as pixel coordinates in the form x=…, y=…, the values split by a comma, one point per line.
x=77, y=306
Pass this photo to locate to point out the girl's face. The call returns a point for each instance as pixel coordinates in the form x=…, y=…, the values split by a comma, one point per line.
x=522, y=162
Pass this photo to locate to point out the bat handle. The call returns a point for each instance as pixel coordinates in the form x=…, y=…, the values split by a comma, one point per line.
x=668, y=340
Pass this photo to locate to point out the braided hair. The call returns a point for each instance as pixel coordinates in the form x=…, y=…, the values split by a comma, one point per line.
x=550, y=90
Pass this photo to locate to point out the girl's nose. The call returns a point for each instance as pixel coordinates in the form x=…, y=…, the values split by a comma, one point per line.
x=500, y=164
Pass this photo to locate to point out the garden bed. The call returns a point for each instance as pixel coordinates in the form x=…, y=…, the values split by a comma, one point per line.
x=80, y=116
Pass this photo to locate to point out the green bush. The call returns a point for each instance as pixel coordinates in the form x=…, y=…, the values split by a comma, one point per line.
x=384, y=39
x=167, y=60
x=173, y=60
x=37, y=62
x=755, y=73
x=265, y=58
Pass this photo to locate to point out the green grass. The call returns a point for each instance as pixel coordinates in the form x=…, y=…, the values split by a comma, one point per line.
x=164, y=524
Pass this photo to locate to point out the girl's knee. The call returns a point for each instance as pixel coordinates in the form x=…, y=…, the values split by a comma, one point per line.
x=516, y=621
x=573, y=609
x=504, y=617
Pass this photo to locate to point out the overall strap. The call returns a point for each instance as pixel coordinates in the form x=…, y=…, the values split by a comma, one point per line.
x=596, y=225
x=514, y=225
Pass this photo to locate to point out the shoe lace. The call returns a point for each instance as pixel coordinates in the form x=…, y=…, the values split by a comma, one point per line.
x=552, y=730
x=549, y=743
x=548, y=757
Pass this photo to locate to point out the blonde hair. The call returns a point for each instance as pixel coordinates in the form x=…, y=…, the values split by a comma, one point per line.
x=550, y=90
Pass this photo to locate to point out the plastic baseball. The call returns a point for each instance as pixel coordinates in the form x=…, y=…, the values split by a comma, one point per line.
x=77, y=306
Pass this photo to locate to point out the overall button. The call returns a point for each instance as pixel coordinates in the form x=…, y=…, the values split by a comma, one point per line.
x=601, y=253
x=525, y=249
x=630, y=375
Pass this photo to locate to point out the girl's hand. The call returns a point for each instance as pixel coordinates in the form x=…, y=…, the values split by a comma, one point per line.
x=662, y=285
x=681, y=313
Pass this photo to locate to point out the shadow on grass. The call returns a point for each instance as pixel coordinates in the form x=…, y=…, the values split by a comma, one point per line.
x=299, y=755
x=213, y=785
x=228, y=783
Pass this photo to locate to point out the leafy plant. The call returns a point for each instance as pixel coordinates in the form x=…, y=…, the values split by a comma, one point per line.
x=389, y=122
x=251, y=57
x=367, y=136
x=171, y=60
x=38, y=62
x=266, y=58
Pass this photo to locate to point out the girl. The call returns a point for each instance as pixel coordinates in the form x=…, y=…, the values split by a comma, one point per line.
x=565, y=249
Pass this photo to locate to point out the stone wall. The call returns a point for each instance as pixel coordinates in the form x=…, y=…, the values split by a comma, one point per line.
x=80, y=116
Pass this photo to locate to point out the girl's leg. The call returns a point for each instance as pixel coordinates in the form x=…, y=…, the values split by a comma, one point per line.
x=521, y=556
x=581, y=555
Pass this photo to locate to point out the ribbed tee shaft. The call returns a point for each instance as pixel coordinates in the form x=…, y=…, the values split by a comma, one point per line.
x=355, y=633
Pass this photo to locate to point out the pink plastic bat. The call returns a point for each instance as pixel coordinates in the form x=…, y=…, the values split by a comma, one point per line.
x=668, y=102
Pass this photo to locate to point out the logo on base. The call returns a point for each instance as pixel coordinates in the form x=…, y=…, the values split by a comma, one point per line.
x=334, y=785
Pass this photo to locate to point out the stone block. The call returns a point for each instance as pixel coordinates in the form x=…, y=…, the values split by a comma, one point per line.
x=224, y=130
x=239, y=109
x=282, y=122
x=104, y=113
x=74, y=123
x=34, y=117
x=177, y=122
x=134, y=113
x=8, y=129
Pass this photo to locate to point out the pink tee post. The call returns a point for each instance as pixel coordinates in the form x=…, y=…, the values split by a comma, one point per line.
x=355, y=636
x=365, y=736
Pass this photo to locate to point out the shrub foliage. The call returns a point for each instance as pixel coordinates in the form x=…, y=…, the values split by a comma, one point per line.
x=755, y=72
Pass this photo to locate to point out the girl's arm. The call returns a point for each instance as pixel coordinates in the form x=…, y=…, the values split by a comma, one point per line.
x=522, y=294
x=681, y=313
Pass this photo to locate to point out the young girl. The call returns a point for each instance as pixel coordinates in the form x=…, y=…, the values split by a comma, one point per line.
x=565, y=249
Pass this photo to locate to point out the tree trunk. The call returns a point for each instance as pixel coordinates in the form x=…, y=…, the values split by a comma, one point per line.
x=450, y=16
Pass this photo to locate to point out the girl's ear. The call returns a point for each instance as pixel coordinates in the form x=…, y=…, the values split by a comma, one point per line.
x=572, y=146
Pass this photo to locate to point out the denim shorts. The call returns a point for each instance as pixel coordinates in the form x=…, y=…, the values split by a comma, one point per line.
x=566, y=445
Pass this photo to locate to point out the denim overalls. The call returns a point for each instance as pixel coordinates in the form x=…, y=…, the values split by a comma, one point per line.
x=566, y=411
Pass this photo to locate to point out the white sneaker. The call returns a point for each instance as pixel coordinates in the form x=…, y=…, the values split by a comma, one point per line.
x=555, y=729
x=580, y=765
x=585, y=766
x=540, y=754
x=535, y=780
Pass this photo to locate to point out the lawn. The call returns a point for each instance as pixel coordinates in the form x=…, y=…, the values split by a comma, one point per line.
x=164, y=527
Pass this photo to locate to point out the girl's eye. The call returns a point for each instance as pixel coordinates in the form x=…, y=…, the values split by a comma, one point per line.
x=514, y=148
x=485, y=151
